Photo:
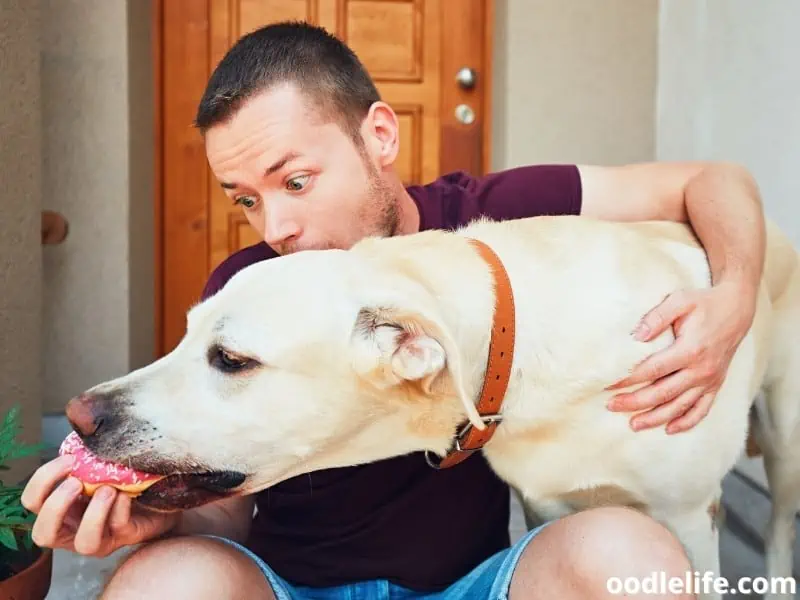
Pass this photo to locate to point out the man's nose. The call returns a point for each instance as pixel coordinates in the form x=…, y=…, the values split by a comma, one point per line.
x=87, y=413
x=280, y=227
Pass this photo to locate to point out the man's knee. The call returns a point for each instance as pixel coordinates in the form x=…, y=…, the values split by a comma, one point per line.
x=579, y=555
x=187, y=567
x=620, y=541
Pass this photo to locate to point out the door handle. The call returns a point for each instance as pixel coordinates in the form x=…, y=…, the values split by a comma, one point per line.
x=466, y=78
x=54, y=228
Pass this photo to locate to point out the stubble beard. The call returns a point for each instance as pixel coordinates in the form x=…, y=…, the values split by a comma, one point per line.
x=380, y=211
x=378, y=216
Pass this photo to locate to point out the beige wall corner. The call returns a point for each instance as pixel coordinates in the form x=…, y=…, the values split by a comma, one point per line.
x=20, y=220
x=574, y=81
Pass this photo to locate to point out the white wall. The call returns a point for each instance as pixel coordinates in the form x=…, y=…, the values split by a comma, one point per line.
x=97, y=146
x=574, y=81
x=729, y=88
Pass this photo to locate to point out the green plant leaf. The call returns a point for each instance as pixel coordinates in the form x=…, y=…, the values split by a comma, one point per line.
x=15, y=520
x=26, y=520
x=8, y=539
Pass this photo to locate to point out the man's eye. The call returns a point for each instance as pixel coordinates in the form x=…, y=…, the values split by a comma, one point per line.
x=295, y=184
x=246, y=201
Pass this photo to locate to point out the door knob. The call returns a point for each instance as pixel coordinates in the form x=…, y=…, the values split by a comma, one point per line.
x=466, y=78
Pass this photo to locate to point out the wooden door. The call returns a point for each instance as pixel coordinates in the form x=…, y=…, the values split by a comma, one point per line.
x=414, y=50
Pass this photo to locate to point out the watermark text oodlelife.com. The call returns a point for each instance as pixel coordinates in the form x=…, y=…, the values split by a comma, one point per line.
x=695, y=582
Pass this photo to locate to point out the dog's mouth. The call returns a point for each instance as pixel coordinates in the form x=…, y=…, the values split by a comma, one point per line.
x=184, y=484
x=157, y=482
x=183, y=491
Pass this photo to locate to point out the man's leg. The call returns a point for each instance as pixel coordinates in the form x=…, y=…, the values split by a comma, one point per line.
x=576, y=556
x=188, y=567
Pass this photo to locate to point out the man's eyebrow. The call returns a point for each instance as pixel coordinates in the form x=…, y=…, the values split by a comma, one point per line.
x=276, y=166
x=281, y=162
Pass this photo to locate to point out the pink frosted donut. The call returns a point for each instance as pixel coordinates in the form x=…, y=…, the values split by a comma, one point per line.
x=94, y=472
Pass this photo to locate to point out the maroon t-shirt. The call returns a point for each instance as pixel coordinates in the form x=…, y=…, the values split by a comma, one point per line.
x=399, y=519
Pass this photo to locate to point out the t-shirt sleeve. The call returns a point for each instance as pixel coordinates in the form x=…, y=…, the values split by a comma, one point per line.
x=233, y=264
x=529, y=191
x=215, y=282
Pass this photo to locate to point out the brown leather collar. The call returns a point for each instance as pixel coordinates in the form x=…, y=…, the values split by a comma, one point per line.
x=498, y=370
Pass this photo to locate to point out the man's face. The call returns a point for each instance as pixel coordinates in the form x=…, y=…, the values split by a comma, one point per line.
x=303, y=184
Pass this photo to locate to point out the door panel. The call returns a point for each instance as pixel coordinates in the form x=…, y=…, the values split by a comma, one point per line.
x=411, y=48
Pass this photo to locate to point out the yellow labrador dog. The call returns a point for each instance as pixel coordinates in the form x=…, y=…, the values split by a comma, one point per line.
x=332, y=358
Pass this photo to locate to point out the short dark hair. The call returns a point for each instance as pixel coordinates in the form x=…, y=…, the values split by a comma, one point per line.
x=318, y=63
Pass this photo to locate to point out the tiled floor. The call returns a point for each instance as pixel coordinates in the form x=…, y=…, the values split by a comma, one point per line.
x=78, y=578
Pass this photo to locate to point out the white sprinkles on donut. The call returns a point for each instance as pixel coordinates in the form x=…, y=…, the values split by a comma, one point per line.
x=92, y=470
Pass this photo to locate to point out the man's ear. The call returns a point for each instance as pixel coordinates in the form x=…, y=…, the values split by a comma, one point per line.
x=393, y=347
x=383, y=132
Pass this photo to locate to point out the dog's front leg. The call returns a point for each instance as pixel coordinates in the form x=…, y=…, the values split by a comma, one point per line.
x=698, y=532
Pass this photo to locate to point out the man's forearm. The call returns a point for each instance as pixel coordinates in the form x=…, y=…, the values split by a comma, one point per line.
x=724, y=208
x=229, y=518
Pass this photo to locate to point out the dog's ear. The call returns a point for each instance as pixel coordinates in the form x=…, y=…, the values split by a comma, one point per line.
x=395, y=346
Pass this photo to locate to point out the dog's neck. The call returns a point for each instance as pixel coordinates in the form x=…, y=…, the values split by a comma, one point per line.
x=548, y=338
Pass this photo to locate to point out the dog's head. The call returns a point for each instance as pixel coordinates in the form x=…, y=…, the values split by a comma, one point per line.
x=315, y=360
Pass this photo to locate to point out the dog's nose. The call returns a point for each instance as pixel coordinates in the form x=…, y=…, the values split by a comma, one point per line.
x=85, y=413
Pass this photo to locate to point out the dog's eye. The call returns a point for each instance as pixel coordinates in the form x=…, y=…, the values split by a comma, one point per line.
x=228, y=362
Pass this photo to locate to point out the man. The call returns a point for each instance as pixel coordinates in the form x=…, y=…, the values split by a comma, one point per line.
x=298, y=137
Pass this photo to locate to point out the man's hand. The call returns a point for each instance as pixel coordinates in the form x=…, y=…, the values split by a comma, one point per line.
x=722, y=204
x=685, y=377
x=93, y=527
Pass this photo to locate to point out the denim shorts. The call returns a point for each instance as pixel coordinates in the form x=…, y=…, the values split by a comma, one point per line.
x=490, y=580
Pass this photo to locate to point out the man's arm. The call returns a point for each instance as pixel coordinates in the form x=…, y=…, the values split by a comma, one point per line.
x=720, y=201
x=230, y=518
x=722, y=204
